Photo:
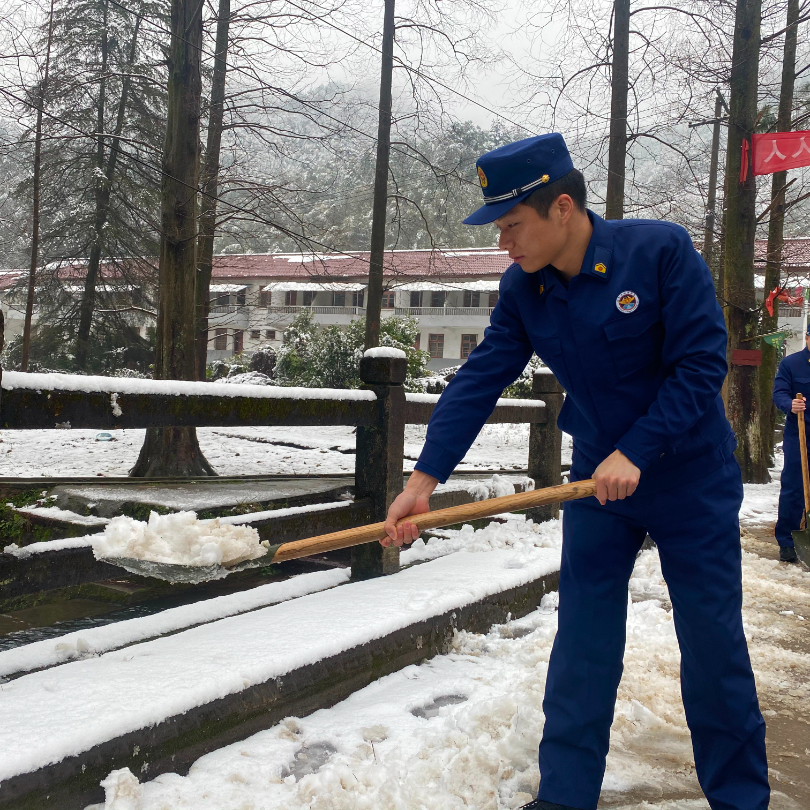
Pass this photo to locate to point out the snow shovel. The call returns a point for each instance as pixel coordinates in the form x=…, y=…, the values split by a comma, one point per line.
x=801, y=537
x=373, y=533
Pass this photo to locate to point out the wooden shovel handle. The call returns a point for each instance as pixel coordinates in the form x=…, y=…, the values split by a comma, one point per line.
x=803, y=453
x=433, y=520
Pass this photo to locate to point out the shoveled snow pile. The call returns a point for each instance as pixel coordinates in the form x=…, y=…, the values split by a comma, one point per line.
x=179, y=539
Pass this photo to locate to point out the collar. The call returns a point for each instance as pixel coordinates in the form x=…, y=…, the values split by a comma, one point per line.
x=598, y=261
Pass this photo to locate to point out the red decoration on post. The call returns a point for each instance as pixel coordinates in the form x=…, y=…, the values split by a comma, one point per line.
x=778, y=151
x=744, y=161
x=746, y=357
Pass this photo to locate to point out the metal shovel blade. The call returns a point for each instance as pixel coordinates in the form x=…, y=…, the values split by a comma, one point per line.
x=801, y=539
x=188, y=574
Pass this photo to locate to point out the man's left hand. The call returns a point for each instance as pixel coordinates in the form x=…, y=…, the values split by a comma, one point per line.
x=616, y=478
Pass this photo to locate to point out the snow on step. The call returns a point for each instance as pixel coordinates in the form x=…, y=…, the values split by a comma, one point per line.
x=64, y=711
x=95, y=640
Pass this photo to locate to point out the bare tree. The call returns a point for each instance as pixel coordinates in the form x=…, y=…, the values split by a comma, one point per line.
x=176, y=451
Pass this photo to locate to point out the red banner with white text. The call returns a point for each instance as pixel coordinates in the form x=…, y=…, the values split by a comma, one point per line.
x=778, y=151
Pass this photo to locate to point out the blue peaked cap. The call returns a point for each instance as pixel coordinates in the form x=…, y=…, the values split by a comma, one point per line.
x=511, y=173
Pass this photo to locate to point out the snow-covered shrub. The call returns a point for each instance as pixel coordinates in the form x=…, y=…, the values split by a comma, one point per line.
x=329, y=357
x=521, y=388
x=263, y=360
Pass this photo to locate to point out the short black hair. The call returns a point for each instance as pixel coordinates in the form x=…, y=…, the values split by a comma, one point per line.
x=572, y=184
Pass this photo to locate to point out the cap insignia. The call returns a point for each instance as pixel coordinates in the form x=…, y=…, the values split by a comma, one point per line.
x=482, y=177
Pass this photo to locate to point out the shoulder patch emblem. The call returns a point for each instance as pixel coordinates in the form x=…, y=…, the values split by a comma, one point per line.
x=627, y=302
x=600, y=268
x=482, y=177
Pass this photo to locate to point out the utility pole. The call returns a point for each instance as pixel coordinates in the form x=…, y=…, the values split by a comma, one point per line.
x=709, y=230
x=619, y=78
x=375, y=270
x=743, y=390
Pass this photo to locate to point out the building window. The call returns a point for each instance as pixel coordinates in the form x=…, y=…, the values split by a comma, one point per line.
x=357, y=298
x=339, y=299
x=255, y=334
x=220, y=339
x=388, y=300
x=437, y=299
x=472, y=299
x=220, y=300
x=468, y=343
x=436, y=346
x=270, y=334
x=240, y=298
x=418, y=342
x=291, y=298
x=238, y=341
x=309, y=297
x=416, y=299
x=264, y=298
x=493, y=299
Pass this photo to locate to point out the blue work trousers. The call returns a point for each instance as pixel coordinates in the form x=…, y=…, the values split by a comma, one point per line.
x=696, y=528
x=791, y=494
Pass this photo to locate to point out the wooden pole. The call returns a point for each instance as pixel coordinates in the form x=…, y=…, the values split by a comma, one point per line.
x=378, y=216
x=619, y=78
x=433, y=520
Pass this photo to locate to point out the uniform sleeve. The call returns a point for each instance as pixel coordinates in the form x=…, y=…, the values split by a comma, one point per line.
x=694, y=348
x=783, y=392
x=469, y=399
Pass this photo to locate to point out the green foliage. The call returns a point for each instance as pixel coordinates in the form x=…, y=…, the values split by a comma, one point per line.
x=116, y=350
x=329, y=357
x=521, y=388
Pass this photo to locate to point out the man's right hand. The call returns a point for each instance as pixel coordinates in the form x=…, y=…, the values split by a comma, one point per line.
x=413, y=500
x=798, y=405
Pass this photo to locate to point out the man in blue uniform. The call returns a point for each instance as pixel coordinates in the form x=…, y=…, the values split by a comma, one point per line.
x=792, y=378
x=624, y=313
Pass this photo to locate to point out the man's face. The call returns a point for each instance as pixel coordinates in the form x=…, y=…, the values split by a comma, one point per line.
x=530, y=240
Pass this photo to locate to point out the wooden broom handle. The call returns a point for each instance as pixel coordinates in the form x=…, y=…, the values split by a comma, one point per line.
x=433, y=520
x=803, y=453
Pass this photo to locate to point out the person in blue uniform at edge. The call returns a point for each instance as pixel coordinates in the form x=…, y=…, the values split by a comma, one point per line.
x=792, y=378
x=624, y=314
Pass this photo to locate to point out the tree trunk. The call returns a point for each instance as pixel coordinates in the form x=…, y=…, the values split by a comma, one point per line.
x=103, y=190
x=617, y=147
x=32, y=269
x=375, y=270
x=743, y=390
x=773, y=264
x=210, y=185
x=175, y=451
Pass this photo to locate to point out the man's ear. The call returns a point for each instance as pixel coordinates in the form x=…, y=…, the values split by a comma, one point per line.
x=565, y=207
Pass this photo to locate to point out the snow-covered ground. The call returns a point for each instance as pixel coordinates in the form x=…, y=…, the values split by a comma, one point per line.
x=461, y=730
x=242, y=451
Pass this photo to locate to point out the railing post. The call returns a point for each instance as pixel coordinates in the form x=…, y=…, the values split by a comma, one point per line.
x=545, y=443
x=379, y=460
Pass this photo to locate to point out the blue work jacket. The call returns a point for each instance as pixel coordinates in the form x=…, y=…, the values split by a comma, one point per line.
x=637, y=339
x=792, y=378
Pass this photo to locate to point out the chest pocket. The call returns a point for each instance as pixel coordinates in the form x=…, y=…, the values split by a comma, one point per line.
x=635, y=340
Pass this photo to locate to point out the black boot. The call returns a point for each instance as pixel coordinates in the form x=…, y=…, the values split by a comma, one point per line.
x=788, y=554
x=539, y=804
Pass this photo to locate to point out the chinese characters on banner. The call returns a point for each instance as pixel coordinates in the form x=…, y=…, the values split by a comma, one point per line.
x=777, y=151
